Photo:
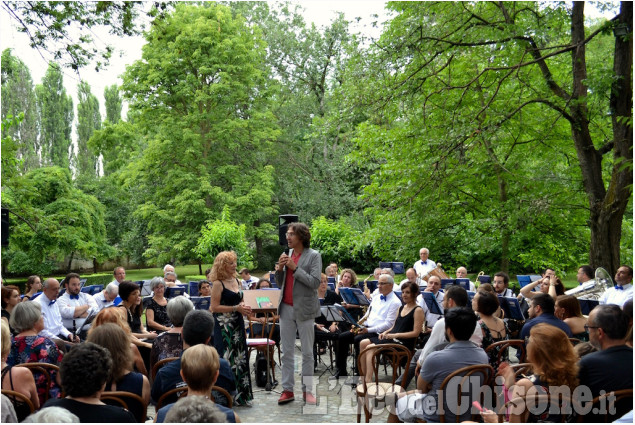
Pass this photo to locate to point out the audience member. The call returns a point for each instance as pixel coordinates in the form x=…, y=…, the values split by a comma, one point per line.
x=197, y=329
x=611, y=368
x=120, y=275
x=18, y=379
x=57, y=415
x=553, y=362
x=195, y=409
x=83, y=384
x=53, y=327
x=122, y=377
x=33, y=286
x=156, y=314
x=10, y=298
x=551, y=285
x=169, y=344
x=200, y=369
x=75, y=306
x=493, y=329
x=230, y=339
x=405, y=330
x=7, y=411
x=459, y=326
x=106, y=298
x=115, y=315
x=541, y=310
x=131, y=306
x=568, y=310
x=30, y=345
x=623, y=289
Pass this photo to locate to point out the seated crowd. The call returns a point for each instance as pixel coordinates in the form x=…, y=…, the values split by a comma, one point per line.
x=85, y=351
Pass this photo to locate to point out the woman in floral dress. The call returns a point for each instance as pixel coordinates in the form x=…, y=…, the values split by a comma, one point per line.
x=230, y=339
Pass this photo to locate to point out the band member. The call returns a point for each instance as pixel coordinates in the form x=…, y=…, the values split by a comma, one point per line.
x=299, y=274
x=423, y=266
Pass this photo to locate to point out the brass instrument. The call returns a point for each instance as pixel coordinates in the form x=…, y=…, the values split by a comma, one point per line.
x=594, y=289
x=360, y=323
x=481, y=273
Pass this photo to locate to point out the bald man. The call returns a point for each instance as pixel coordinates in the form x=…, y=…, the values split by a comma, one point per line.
x=461, y=273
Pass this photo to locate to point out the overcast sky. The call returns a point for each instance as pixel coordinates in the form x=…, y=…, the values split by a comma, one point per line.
x=128, y=49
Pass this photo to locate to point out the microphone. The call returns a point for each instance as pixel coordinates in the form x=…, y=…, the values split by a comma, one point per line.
x=286, y=249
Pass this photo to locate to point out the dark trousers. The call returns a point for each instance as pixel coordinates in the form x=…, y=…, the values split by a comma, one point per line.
x=346, y=338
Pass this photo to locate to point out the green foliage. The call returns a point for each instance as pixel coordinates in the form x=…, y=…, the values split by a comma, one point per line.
x=10, y=162
x=223, y=235
x=56, y=116
x=113, y=104
x=56, y=220
x=88, y=120
x=64, y=29
x=18, y=97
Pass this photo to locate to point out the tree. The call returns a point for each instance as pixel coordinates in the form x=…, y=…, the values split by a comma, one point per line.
x=55, y=109
x=223, y=235
x=57, y=221
x=113, y=104
x=88, y=120
x=201, y=99
x=479, y=100
x=18, y=96
x=64, y=29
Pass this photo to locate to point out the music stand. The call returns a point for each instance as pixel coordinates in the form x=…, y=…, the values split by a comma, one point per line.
x=431, y=302
x=336, y=313
x=251, y=299
x=511, y=307
x=201, y=303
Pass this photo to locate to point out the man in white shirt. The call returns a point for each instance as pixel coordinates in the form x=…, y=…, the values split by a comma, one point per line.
x=120, y=275
x=434, y=286
x=411, y=276
x=423, y=266
x=501, y=285
x=106, y=297
x=170, y=268
x=585, y=275
x=75, y=306
x=623, y=289
x=53, y=327
x=380, y=316
x=461, y=273
x=248, y=281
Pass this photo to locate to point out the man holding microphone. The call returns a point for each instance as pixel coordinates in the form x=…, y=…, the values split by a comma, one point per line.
x=299, y=274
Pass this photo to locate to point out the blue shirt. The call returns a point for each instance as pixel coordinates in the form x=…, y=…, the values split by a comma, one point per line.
x=545, y=318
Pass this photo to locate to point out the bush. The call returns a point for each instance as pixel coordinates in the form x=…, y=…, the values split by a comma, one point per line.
x=223, y=235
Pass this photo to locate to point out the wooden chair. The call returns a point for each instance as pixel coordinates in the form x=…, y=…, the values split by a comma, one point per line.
x=129, y=401
x=166, y=398
x=575, y=341
x=540, y=407
x=182, y=392
x=522, y=369
x=609, y=407
x=463, y=379
x=262, y=346
x=158, y=365
x=15, y=396
x=368, y=394
x=518, y=344
x=48, y=371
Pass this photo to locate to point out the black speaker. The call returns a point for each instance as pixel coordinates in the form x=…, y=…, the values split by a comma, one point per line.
x=5, y=228
x=283, y=224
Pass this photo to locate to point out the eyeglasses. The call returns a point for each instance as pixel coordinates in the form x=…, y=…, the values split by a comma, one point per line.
x=384, y=283
x=290, y=234
x=587, y=327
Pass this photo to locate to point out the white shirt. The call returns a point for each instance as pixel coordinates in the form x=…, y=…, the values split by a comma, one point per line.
x=507, y=293
x=382, y=313
x=418, y=282
x=100, y=300
x=617, y=296
x=67, y=309
x=53, y=326
x=247, y=283
x=431, y=318
x=423, y=269
x=115, y=282
x=438, y=336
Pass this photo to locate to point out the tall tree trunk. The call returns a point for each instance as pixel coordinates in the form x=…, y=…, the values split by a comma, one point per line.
x=607, y=206
x=200, y=267
x=95, y=265
x=70, y=262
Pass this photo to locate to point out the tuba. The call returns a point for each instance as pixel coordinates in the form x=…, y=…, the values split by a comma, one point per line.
x=594, y=289
x=437, y=271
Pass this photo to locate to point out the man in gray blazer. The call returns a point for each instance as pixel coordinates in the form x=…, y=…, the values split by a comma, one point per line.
x=298, y=275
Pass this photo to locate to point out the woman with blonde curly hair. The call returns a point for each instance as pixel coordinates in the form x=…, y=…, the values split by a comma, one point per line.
x=116, y=316
x=348, y=279
x=554, y=364
x=228, y=308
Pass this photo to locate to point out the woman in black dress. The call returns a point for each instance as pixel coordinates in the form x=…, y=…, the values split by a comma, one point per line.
x=407, y=327
x=156, y=312
x=230, y=339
